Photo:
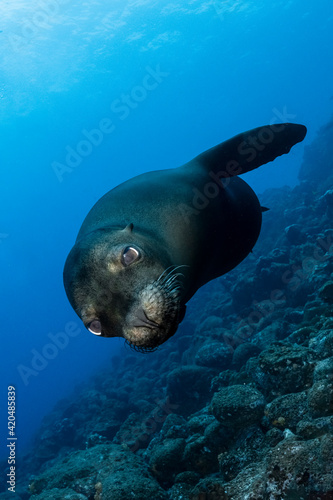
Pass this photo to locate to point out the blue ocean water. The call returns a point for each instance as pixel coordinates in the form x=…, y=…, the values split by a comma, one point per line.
x=93, y=93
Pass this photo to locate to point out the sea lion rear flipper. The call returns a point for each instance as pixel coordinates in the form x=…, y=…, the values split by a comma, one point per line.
x=251, y=149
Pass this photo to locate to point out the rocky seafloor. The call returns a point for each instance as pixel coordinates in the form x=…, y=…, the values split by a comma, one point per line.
x=238, y=405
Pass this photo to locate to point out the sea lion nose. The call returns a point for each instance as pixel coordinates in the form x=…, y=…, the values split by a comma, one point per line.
x=141, y=319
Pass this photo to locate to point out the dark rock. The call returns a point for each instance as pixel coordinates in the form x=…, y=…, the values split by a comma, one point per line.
x=312, y=313
x=327, y=198
x=299, y=288
x=320, y=398
x=271, y=278
x=59, y=494
x=243, y=293
x=184, y=342
x=322, y=343
x=214, y=355
x=209, y=324
x=188, y=477
x=180, y=491
x=201, y=458
x=326, y=292
x=250, y=483
x=294, y=316
x=295, y=467
x=284, y=369
x=324, y=370
x=217, y=436
x=250, y=447
x=238, y=406
x=286, y=411
x=199, y=423
x=104, y=466
x=166, y=458
x=300, y=336
x=247, y=449
x=223, y=379
x=209, y=489
x=271, y=333
x=295, y=234
x=120, y=485
x=292, y=470
x=174, y=426
x=132, y=433
x=242, y=353
x=309, y=429
x=188, y=388
x=273, y=437
x=278, y=255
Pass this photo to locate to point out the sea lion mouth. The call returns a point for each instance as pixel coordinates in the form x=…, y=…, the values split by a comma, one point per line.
x=156, y=315
x=142, y=320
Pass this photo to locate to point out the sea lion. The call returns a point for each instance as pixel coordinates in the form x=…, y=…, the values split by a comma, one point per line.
x=147, y=245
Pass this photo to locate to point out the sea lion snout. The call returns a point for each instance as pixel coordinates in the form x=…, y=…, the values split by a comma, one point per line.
x=143, y=320
x=156, y=316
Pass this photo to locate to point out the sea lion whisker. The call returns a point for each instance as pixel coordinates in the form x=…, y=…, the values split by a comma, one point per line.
x=165, y=278
x=173, y=279
x=173, y=287
x=177, y=267
x=166, y=271
x=177, y=281
x=170, y=273
x=170, y=281
x=171, y=290
x=179, y=275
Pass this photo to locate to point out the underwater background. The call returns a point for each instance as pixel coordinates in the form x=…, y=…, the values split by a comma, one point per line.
x=219, y=68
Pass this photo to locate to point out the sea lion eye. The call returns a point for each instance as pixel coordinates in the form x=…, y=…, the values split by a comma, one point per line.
x=95, y=327
x=130, y=255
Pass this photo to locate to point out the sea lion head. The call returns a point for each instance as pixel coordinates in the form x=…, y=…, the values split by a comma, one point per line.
x=122, y=284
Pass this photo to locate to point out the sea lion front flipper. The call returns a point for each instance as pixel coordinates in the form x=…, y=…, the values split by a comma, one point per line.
x=251, y=149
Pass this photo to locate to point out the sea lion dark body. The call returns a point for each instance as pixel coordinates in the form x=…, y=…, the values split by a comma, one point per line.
x=160, y=204
x=200, y=216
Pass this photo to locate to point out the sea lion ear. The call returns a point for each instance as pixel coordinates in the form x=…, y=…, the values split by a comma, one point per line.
x=129, y=228
x=250, y=150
